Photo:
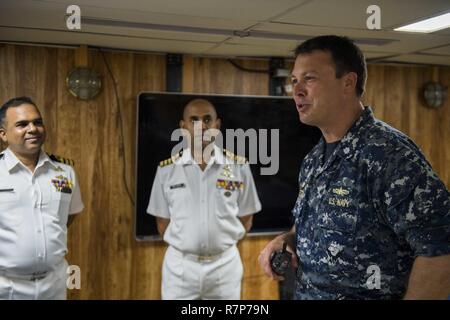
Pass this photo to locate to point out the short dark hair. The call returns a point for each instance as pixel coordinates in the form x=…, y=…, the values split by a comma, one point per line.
x=14, y=102
x=347, y=57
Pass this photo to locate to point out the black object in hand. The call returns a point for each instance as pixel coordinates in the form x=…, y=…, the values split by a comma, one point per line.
x=281, y=260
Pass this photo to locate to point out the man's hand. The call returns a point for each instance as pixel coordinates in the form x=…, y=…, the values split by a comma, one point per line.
x=276, y=245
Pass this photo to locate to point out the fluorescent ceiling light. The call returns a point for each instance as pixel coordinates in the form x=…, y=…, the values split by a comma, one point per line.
x=428, y=25
x=225, y=32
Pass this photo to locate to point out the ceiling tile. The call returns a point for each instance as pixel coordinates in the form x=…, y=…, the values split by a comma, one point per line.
x=439, y=51
x=401, y=42
x=352, y=14
x=120, y=42
x=230, y=9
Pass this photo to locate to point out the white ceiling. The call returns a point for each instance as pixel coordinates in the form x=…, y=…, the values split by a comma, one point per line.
x=233, y=28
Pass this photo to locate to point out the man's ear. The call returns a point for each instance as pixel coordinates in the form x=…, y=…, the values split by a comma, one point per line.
x=218, y=123
x=3, y=135
x=181, y=124
x=350, y=80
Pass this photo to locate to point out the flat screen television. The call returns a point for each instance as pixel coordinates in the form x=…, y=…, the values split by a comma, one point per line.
x=158, y=116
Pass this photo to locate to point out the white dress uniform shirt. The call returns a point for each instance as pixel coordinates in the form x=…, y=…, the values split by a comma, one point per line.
x=203, y=206
x=34, y=208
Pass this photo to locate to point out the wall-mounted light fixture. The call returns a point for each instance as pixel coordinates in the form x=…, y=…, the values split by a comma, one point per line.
x=83, y=82
x=434, y=94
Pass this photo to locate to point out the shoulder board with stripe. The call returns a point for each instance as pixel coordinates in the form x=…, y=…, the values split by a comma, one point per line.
x=238, y=159
x=61, y=159
x=171, y=160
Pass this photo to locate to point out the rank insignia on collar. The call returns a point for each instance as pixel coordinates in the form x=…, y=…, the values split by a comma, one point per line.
x=61, y=159
x=235, y=158
x=171, y=160
x=62, y=184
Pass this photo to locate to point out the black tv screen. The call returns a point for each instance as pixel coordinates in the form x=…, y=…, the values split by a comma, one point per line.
x=159, y=115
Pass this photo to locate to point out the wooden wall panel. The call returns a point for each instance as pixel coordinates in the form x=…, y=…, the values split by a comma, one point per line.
x=101, y=241
x=203, y=75
x=394, y=92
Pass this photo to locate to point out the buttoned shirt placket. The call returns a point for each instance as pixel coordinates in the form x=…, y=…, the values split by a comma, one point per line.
x=36, y=194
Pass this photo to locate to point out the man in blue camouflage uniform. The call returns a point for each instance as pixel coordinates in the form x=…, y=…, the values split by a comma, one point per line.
x=372, y=219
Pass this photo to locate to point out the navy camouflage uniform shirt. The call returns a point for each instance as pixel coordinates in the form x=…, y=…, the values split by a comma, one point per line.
x=367, y=212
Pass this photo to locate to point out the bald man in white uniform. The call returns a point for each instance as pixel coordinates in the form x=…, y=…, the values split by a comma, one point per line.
x=203, y=208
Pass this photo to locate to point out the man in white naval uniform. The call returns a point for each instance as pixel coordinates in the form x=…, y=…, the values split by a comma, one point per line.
x=203, y=208
x=39, y=195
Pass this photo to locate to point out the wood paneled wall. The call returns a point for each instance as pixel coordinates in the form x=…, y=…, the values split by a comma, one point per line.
x=395, y=94
x=101, y=241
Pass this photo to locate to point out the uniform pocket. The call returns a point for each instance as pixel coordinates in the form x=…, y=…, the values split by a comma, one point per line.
x=229, y=276
x=173, y=282
x=60, y=204
x=226, y=202
x=226, y=196
x=178, y=200
x=61, y=196
x=338, y=219
x=338, y=210
x=335, y=233
x=10, y=211
x=336, y=254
